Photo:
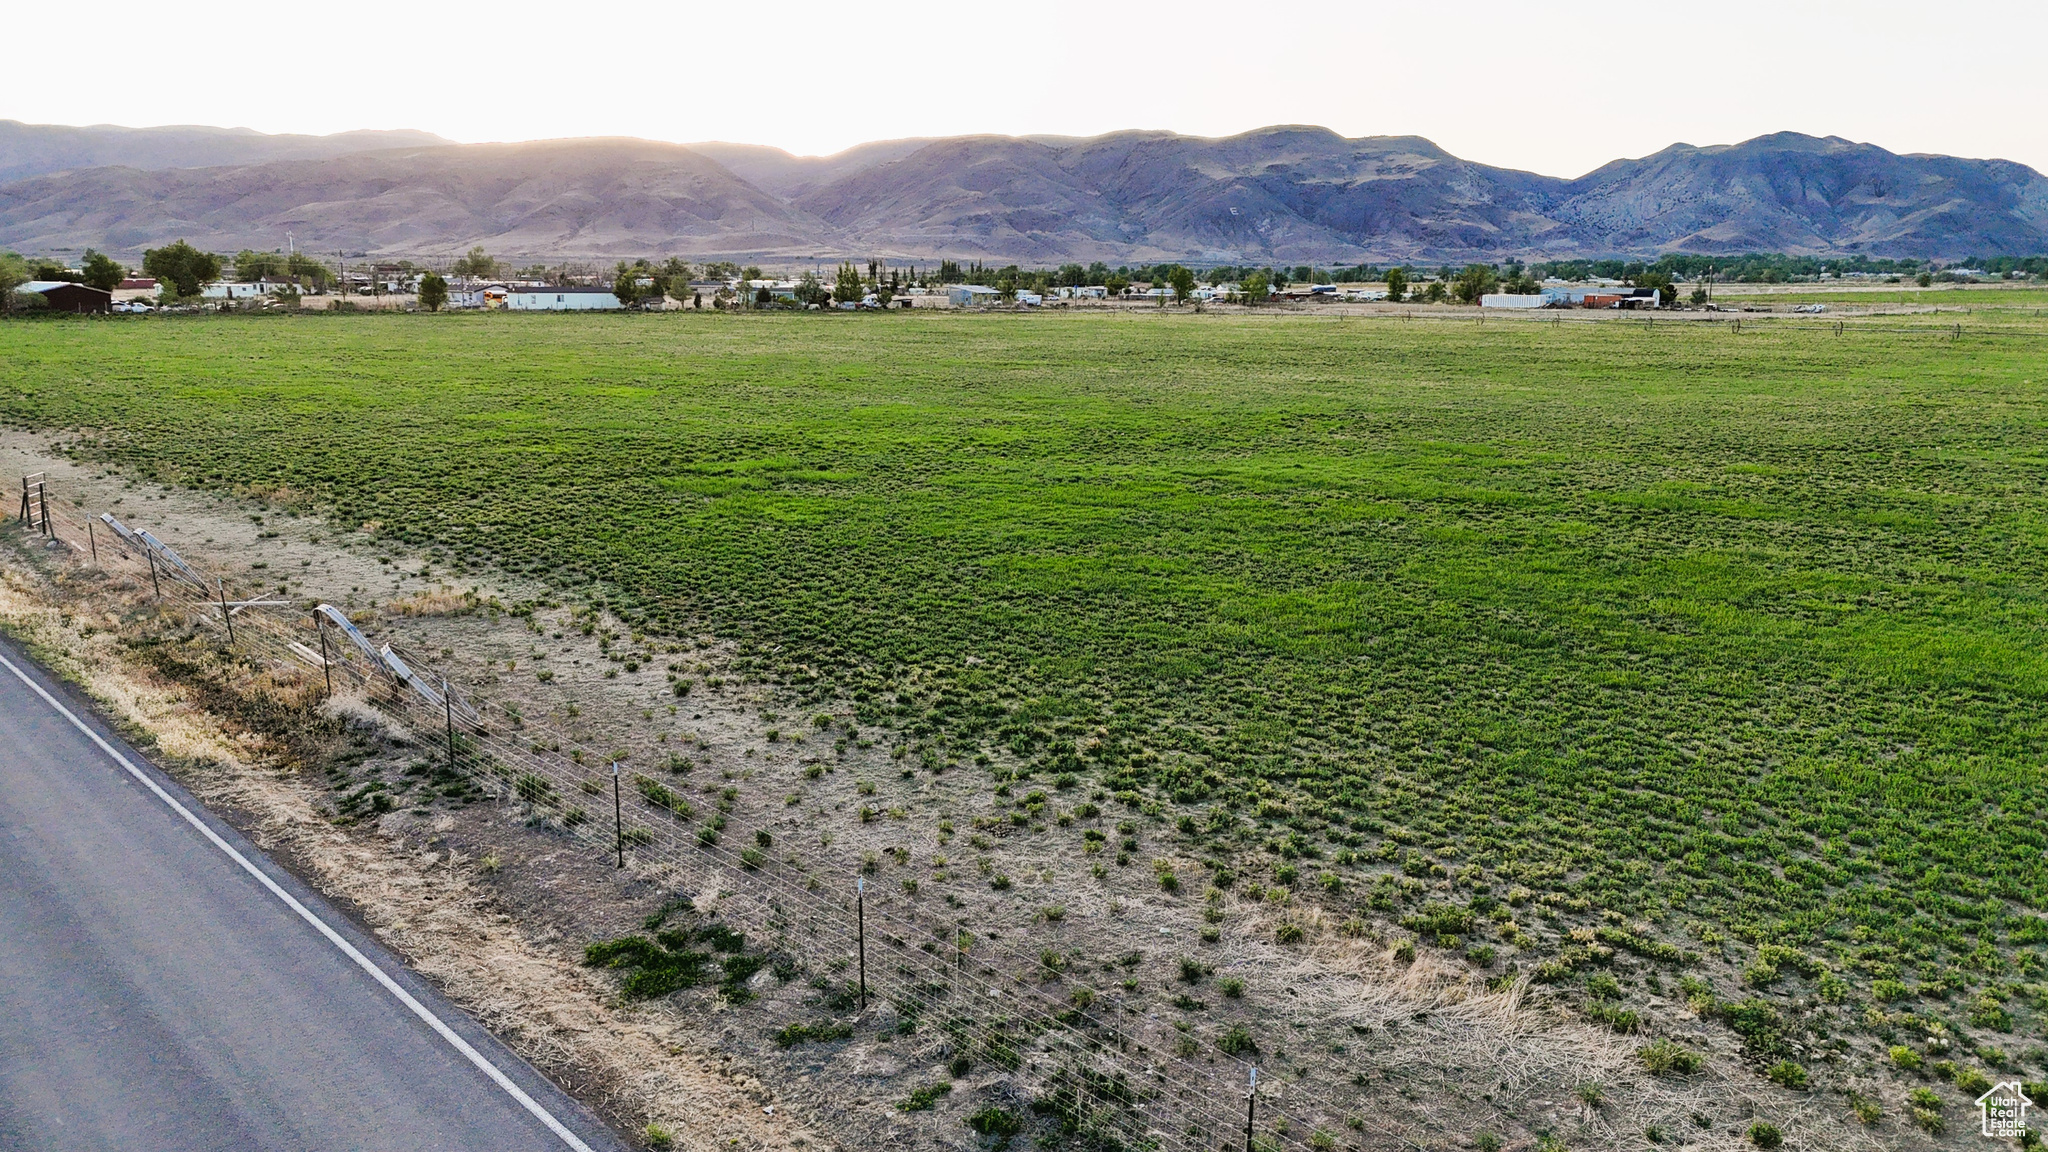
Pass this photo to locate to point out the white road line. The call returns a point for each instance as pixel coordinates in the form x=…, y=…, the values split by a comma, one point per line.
x=347, y=949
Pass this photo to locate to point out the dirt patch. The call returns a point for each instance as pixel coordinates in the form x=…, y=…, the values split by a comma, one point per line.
x=1024, y=936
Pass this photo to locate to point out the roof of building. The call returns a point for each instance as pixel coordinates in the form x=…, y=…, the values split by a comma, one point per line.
x=568, y=289
x=41, y=286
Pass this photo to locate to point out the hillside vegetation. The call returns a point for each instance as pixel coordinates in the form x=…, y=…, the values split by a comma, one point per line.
x=1714, y=643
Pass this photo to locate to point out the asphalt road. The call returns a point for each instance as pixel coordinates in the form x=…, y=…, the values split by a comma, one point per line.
x=156, y=992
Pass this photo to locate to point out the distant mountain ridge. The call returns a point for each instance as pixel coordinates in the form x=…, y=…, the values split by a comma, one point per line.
x=1293, y=193
x=38, y=149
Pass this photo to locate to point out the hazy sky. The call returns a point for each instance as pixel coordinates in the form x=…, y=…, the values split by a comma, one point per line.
x=1554, y=87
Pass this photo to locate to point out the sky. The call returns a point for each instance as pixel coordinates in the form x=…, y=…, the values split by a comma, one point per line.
x=1552, y=88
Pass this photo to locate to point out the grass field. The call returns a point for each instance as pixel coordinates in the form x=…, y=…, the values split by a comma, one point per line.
x=1742, y=630
x=1998, y=297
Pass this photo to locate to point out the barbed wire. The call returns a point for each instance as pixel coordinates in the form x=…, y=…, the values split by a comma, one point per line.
x=767, y=890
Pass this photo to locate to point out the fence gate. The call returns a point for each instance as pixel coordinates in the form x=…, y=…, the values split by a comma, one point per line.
x=35, y=502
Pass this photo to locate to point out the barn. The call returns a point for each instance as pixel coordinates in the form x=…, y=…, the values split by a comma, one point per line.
x=64, y=296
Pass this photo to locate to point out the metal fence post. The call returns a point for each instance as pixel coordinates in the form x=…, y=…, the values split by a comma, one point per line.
x=1251, y=1109
x=224, y=613
x=618, y=817
x=326, y=663
x=448, y=712
x=93, y=539
x=148, y=554
x=860, y=905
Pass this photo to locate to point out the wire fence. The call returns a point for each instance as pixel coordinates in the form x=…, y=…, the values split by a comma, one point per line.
x=1116, y=1083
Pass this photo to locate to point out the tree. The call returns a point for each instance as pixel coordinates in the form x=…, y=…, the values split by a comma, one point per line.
x=1183, y=281
x=626, y=285
x=252, y=266
x=1667, y=292
x=847, y=288
x=1116, y=283
x=182, y=266
x=1474, y=282
x=307, y=270
x=13, y=274
x=810, y=291
x=1699, y=296
x=1256, y=288
x=1397, y=285
x=433, y=291
x=101, y=272
x=1924, y=279
x=477, y=263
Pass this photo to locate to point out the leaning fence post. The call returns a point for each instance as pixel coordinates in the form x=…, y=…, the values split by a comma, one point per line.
x=94, y=540
x=326, y=665
x=448, y=712
x=860, y=905
x=224, y=613
x=148, y=554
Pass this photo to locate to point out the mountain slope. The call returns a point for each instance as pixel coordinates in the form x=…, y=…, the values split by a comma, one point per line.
x=588, y=197
x=1291, y=193
x=36, y=149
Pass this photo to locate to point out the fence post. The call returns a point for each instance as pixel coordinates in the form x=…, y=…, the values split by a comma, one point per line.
x=50, y=530
x=93, y=539
x=618, y=817
x=1251, y=1109
x=24, y=499
x=860, y=905
x=326, y=665
x=224, y=613
x=448, y=714
x=148, y=554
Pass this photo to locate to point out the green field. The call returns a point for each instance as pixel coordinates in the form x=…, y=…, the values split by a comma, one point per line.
x=1744, y=629
x=2026, y=299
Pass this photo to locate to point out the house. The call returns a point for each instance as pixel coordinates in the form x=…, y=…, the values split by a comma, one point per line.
x=1084, y=292
x=561, y=299
x=234, y=290
x=137, y=284
x=1516, y=300
x=971, y=295
x=64, y=296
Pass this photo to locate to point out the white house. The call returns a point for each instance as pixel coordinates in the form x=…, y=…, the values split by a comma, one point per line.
x=234, y=290
x=969, y=295
x=1516, y=300
x=561, y=299
x=1084, y=292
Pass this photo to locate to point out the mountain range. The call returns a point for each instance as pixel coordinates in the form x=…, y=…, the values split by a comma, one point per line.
x=1296, y=194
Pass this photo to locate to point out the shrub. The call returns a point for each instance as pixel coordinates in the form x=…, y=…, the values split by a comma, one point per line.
x=1661, y=1057
x=657, y=1137
x=1289, y=933
x=1237, y=1042
x=796, y=1034
x=1764, y=1134
x=1231, y=987
x=1971, y=1082
x=998, y=1124
x=1787, y=1074
x=1906, y=1059
x=922, y=1098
